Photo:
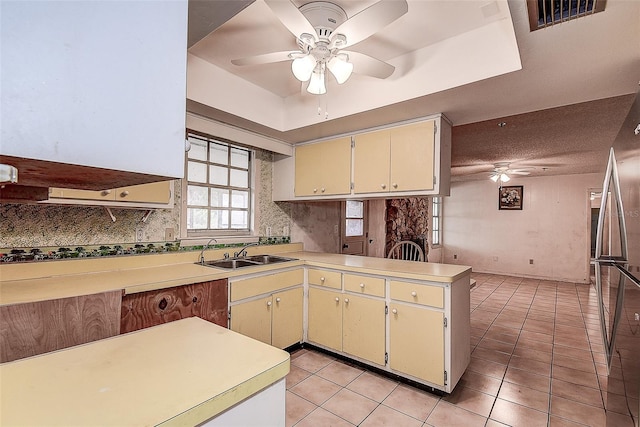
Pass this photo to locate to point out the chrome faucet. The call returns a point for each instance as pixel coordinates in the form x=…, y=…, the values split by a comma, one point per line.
x=201, y=258
x=243, y=251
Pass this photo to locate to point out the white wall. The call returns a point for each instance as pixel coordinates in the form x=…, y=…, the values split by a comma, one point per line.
x=552, y=228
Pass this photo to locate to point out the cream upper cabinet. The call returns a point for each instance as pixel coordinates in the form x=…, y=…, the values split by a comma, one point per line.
x=412, y=157
x=146, y=195
x=323, y=168
x=371, y=166
x=395, y=160
x=403, y=160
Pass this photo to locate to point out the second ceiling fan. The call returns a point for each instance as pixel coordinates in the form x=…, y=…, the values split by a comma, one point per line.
x=322, y=30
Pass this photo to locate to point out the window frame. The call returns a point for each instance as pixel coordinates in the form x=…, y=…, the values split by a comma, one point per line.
x=436, y=213
x=219, y=232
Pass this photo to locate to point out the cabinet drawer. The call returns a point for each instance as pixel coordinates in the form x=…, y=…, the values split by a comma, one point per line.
x=330, y=279
x=247, y=288
x=417, y=293
x=364, y=285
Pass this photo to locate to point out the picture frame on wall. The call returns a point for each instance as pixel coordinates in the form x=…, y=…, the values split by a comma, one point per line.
x=510, y=197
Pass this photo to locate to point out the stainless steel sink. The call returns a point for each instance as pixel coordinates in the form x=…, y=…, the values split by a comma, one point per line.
x=250, y=261
x=268, y=259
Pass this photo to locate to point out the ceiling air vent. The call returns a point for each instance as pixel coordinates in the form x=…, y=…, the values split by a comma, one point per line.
x=544, y=13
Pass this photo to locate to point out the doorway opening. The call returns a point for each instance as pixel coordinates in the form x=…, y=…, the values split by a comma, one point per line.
x=354, y=227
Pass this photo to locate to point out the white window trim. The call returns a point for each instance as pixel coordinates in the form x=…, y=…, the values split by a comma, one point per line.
x=196, y=237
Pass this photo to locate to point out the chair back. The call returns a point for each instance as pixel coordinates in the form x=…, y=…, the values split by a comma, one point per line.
x=406, y=250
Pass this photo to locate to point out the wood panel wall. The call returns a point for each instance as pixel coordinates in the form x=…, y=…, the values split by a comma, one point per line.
x=39, y=327
x=207, y=300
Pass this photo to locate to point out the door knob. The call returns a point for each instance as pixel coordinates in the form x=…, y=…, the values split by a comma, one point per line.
x=346, y=300
x=277, y=299
x=413, y=294
x=345, y=246
x=337, y=299
x=394, y=311
x=268, y=303
x=362, y=285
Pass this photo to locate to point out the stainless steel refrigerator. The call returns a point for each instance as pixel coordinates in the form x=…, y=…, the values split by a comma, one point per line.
x=617, y=270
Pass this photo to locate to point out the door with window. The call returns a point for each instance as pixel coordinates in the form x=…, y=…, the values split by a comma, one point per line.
x=354, y=232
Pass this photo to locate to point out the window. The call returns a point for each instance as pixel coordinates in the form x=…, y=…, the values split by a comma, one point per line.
x=354, y=225
x=218, y=186
x=544, y=13
x=436, y=221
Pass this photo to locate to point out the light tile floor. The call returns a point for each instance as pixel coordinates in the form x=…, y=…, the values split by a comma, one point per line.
x=537, y=360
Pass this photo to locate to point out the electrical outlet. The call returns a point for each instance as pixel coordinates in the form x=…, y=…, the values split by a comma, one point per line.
x=335, y=229
x=139, y=235
x=268, y=231
x=169, y=234
x=530, y=261
x=285, y=230
x=455, y=256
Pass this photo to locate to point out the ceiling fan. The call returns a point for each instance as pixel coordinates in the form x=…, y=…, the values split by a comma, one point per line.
x=322, y=30
x=501, y=172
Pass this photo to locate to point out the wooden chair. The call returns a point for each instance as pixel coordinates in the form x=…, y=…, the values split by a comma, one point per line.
x=406, y=250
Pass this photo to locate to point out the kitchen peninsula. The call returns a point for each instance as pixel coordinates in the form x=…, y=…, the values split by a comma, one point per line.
x=407, y=318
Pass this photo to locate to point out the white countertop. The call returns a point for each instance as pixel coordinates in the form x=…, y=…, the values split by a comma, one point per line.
x=132, y=278
x=180, y=373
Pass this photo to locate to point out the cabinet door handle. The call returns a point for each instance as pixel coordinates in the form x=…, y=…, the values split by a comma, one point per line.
x=322, y=279
x=362, y=285
x=394, y=185
x=124, y=194
x=394, y=311
x=413, y=294
x=383, y=186
x=277, y=299
x=106, y=192
x=315, y=190
x=337, y=299
x=322, y=189
x=268, y=303
x=346, y=300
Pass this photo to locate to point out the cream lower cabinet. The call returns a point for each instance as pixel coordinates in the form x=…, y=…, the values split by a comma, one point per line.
x=413, y=350
x=264, y=309
x=347, y=323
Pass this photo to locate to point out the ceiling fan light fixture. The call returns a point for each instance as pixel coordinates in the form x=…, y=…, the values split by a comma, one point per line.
x=316, y=84
x=340, y=67
x=303, y=67
x=494, y=177
x=504, y=177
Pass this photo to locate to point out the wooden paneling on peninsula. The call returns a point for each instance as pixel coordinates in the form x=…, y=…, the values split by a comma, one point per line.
x=39, y=327
x=408, y=159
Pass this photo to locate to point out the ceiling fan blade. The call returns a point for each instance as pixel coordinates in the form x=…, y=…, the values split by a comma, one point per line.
x=367, y=65
x=371, y=20
x=265, y=59
x=518, y=172
x=291, y=17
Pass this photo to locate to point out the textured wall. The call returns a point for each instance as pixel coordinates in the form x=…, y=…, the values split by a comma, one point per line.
x=69, y=225
x=552, y=229
x=315, y=224
x=276, y=215
x=408, y=219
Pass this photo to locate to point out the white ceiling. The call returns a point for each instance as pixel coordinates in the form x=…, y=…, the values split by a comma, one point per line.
x=473, y=60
